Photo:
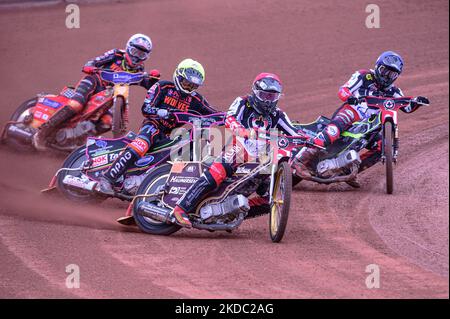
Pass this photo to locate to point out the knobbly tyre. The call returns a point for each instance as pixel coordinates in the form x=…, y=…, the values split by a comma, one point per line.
x=228, y=206
x=340, y=162
x=29, y=116
x=78, y=177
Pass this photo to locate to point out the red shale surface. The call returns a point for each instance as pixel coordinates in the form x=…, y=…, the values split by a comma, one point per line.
x=334, y=231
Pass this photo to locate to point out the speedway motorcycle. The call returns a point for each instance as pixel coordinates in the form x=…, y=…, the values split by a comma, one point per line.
x=29, y=116
x=78, y=178
x=340, y=161
x=228, y=206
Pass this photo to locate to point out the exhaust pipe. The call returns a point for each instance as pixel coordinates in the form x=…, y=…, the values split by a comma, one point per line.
x=79, y=183
x=336, y=179
x=20, y=134
x=161, y=214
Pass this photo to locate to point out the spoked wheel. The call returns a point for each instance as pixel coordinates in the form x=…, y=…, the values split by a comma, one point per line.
x=73, y=161
x=119, y=109
x=152, y=184
x=281, y=202
x=389, y=161
x=19, y=115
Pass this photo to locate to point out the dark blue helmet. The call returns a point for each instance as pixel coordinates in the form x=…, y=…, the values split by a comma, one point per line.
x=388, y=68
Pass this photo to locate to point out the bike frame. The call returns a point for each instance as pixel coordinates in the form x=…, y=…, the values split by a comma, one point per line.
x=388, y=112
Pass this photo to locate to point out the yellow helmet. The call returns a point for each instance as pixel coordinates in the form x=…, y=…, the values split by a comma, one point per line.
x=188, y=76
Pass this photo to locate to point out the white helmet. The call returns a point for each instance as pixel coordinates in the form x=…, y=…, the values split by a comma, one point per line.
x=138, y=49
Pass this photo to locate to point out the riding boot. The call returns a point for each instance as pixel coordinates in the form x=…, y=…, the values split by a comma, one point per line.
x=49, y=127
x=188, y=203
x=116, y=170
x=304, y=162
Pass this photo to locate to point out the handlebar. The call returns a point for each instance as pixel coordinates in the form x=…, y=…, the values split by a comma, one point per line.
x=389, y=103
x=205, y=120
x=120, y=77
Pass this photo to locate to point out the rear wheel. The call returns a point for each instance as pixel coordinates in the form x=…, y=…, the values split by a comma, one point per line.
x=388, y=152
x=76, y=160
x=153, y=183
x=19, y=115
x=119, y=128
x=281, y=202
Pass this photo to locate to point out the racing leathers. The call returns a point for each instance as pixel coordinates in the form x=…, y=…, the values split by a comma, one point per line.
x=89, y=85
x=361, y=84
x=241, y=119
x=162, y=99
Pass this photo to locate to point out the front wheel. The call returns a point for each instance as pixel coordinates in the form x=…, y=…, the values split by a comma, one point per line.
x=119, y=127
x=388, y=152
x=152, y=184
x=281, y=202
x=76, y=160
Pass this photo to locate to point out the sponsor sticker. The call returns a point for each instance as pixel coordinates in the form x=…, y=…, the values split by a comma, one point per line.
x=183, y=179
x=243, y=170
x=283, y=142
x=51, y=103
x=389, y=104
x=332, y=130
x=100, y=161
x=144, y=161
x=140, y=145
x=177, y=167
x=101, y=143
x=191, y=169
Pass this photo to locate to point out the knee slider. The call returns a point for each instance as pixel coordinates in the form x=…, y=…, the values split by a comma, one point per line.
x=217, y=173
x=140, y=146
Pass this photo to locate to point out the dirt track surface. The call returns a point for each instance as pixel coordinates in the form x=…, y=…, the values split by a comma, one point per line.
x=334, y=232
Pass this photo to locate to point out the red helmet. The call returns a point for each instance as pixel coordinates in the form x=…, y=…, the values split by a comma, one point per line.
x=266, y=91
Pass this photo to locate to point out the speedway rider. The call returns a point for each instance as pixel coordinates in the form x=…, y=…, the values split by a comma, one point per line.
x=377, y=82
x=257, y=111
x=137, y=51
x=162, y=98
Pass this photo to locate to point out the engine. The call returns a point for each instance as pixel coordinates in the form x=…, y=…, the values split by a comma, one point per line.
x=330, y=167
x=228, y=210
x=76, y=135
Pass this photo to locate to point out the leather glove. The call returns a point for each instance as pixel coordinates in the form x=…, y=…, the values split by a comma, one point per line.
x=165, y=114
x=155, y=74
x=352, y=100
x=421, y=100
x=89, y=69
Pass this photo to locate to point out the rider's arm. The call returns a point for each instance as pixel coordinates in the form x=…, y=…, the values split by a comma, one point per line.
x=105, y=58
x=407, y=109
x=351, y=87
x=235, y=114
x=150, y=79
x=152, y=100
x=201, y=105
x=285, y=125
x=100, y=61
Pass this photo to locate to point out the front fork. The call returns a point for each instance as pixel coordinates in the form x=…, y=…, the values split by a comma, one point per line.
x=272, y=182
x=122, y=90
x=395, y=145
